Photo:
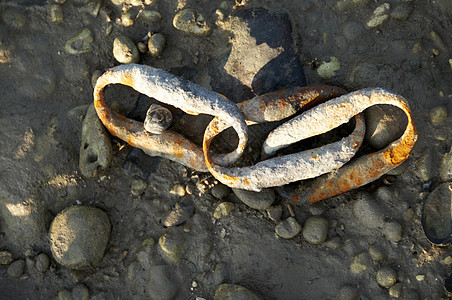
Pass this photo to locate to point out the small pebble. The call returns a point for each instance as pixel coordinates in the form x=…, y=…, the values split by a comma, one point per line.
x=348, y=293
x=445, y=172
x=396, y=290
x=64, y=295
x=436, y=39
x=257, y=200
x=181, y=213
x=80, y=292
x=6, y=258
x=360, y=263
x=420, y=277
x=94, y=77
x=376, y=252
x=125, y=51
x=178, y=190
x=275, y=213
x=127, y=18
x=138, y=186
x=42, y=262
x=80, y=43
x=151, y=16
x=315, y=230
x=16, y=268
x=172, y=244
x=191, y=21
x=156, y=44
x=142, y=47
x=402, y=11
x=150, y=241
x=333, y=242
x=379, y=16
x=56, y=13
x=437, y=114
x=220, y=191
x=447, y=260
x=366, y=210
x=393, y=231
x=327, y=70
x=223, y=209
x=427, y=165
x=158, y=119
x=386, y=277
x=233, y=291
x=288, y=228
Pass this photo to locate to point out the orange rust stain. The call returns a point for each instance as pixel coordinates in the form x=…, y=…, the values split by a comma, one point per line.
x=295, y=198
x=127, y=79
x=246, y=181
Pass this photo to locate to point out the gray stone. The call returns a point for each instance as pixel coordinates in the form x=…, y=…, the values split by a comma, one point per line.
x=316, y=209
x=384, y=124
x=6, y=258
x=80, y=43
x=96, y=74
x=220, y=191
x=151, y=16
x=445, y=172
x=288, y=228
x=125, y=51
x=257, y=200
x=16, y=268
x=80, y=292
x=64, y=295
x=386, y=277
x=56, y=13
x=138, y=186
x=223, y=209
x=353, y=30
x=366, y=210
x=348, y=293
x=233, y=291
x=171, y=245
x=95, y=150
x=377, y=253
x=159, y=285
x=315, y=230
x=437, y=114
x=402, y=11
x=79, y=236
x=42, y=262
x=275, y=213
x=396, y=290
x=427, y=165
x=393, y=231
x=191, y=21
x=360, y=263
x=379, y=16
x=156, y=44
x=181, y=212
x=333, y=242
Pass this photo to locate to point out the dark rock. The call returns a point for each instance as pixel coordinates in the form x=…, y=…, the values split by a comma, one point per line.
x=288, y=228
x=42, y=262
x=159, y=285
x=16, y=268
x=258, y=200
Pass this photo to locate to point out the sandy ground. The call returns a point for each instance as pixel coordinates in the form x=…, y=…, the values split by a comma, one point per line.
x=45, y=91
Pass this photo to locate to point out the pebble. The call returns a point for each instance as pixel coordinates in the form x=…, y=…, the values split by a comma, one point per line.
x=366, y=210
x=233, y=291
x=125, y=51
x=348, y=293
x=316, y=209
x=127, y=18
x=96, y=150
x=257, y=200
x=79, y=236
x=42, y=262
x=445, y=171
x=138, y=186
x=396, y=290
x=151, y=16
x=327, y=70
x=436, y=39
x=333, y=242
x=360, y=263
x=346, y=5
x=158, y=118
x=171, y=245
x=142, y=47
x=437, y=114
x=420, y=277
x=379, y=16
x=178, y=190
x=16, y=268
x=393, y=231
x=376, y=252
x=220, y=191
x=426, y=165
x=80, y=43
x=384, y=124
x=94, y=77
x=64, y=295
x=160, y=285
x=6, y=258
x=56, y=13
x=191, y=21
x=402, y=11
x=223, y=209
x=315, y=230
x=181, y=212
x=14, y=17
x=288, y=228
x=386, y=277
x=156, y=44
x=275, y=213
x=447, y=260
x=80, y=292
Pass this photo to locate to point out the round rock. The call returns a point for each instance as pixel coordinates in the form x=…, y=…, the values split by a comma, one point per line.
x=437, y=114
x=348, y=293
x=42, y=262
x=360, y=262
x=396, y=290
x=315, y=230
x=6, y=258
x=171, y=245
x=79, y=236
x=191, y=21
x=367, y=211
x=156, y=44
x=80, y=292
x=288, y=228
x=182, y=212
x=223, y=209
x=257, y=200
x=16, y=268
x=138, y=186
x=233, y=291
x=125, y=51
x=393, y=231
x=386, y=277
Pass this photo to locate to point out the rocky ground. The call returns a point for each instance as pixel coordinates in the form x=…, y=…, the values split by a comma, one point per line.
x=84, y=216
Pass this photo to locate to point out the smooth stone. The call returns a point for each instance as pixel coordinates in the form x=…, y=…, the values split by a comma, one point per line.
x=16, y=268
x=138, y=186
x=160, y=285
x=420, y=277
x=384, y=124
x=233, y=291
x=220, y=191
x=445, y=172
x=386, y=277
x=393, y=231
x=178, y=190
x=125, y=51
x=64, y=295
x=327, y=70
x=360, y=263
x=80, y=292
x=377, y=253
x=288, y=228
x=367, y=211
x=171, y=245
x=42, y=262
x=348, y=293
x=6, y=258
x=315, y=230
x=151, y=16
x=158, y=119
x=128, y=17
x=275, y=213
x=438, y=41
x=96, y=150
x=56, y=13
x=402, y=11
x=96, y=74
x=79, y=236
x=347, y=5
x=181, y=212
x=14, y=17
x=142, y=47
x=156, y=44
x=436, y=215
x=333, y=242
x=257, y=200
x=223, y=209
x=191, y=21
x=437, y=114
x=447, y=260
x=80, y=43
x=427, y=165
x=316, y=209
x=379, y=16
x=396, y=290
